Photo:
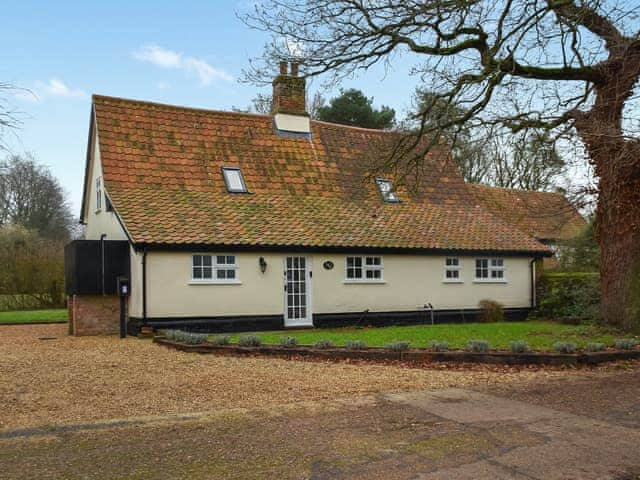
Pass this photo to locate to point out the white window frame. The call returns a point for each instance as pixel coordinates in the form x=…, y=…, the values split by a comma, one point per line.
x=98, y=194
x=390, y=196
x=215, y=267
x=230, y=189
x=494, y=264
x=453, y=268
x=364, y=269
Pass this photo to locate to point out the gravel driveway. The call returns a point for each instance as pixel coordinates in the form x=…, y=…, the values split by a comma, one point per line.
x=47, y=377
x=105, y=408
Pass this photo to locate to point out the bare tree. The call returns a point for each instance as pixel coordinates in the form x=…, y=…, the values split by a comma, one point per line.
x=486, y=154
x=525, y=160
x=561, y=65
x=32, y=273
x=32, y=197
x=470, y=147
x=9, y=117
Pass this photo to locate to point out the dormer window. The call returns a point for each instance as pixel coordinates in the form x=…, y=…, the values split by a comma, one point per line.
x=234, y=180
x=386, y=190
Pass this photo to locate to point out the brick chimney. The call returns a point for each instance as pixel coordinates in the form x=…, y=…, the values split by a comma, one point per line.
x=289, y=91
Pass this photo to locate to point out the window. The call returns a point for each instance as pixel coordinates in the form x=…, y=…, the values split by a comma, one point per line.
x=490, y=269
x=386, y=190
x=98, y=194
x=452, y=269
x=215, y=268
x=364, y=269
x=234, y=180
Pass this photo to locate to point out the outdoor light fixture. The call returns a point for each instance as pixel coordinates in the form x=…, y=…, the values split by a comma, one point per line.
x=263, y=264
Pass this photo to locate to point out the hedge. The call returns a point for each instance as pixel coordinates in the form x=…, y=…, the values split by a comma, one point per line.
x=569, y=297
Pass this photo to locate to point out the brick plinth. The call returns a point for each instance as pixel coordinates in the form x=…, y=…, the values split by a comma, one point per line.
x=94, y=314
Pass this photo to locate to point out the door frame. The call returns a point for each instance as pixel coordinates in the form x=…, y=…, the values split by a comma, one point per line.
x=302, y=322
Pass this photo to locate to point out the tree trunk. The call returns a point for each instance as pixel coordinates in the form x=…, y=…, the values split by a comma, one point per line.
x=620, y=281
x=617, y=164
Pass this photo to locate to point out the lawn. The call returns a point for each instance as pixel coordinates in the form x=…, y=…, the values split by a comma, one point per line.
x=539, y=335
x=34, y=316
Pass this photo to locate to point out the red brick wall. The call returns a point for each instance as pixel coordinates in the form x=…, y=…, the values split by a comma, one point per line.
x=94, y=314
x=289, y=95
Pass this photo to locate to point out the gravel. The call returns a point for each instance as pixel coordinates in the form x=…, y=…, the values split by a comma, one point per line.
x=80, y=379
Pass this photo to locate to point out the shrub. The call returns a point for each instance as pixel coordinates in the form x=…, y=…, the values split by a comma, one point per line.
x=564, y=347
x=438, y=346
x=569, y=297
x=595, y=347
x=478, y=346
x=249, y=341
x=626, y=343
x=186, y=337
x=491, y=311
x=170, y=334
x=518, y=346
x=398, y=346
x=288, y=342
x=323, y=344
x=221, y=340
x=355, y=344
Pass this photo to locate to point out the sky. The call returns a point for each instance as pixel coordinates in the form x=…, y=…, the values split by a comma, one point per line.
x=178, y=52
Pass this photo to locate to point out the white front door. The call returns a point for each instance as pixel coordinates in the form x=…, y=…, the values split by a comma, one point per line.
x=297, y=292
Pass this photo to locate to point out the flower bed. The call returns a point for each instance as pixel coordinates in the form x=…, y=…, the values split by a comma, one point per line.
x=417, y=356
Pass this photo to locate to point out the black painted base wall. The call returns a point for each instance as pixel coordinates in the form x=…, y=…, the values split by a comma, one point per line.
x=322, y=320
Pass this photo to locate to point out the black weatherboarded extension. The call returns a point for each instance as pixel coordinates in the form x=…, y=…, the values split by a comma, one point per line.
x=84, y=266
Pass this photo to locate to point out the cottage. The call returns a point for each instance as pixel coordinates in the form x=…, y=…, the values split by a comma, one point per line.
x=232, y=221
x=547, y=216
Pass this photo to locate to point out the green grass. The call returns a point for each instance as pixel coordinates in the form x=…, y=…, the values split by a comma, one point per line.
x=34, y=316
x=539, y=335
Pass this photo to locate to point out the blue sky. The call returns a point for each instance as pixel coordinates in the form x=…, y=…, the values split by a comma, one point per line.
x=186, y=53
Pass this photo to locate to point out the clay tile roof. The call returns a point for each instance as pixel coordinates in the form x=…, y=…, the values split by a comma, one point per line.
x=544, y=215
x=162, y=170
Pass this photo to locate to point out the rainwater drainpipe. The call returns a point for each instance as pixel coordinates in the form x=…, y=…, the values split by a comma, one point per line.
x=532, y=267
x=144, y=286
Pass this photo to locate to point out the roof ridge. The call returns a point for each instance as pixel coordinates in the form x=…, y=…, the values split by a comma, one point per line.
x=509, y=189
x=353, y=127
x=97, y=96
x=169, y=106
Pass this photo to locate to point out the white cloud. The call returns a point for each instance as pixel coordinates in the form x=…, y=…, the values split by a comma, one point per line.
x=205, y=72
x=158, y=56
x=192, y=66
x=163, y=85
x=57, y=88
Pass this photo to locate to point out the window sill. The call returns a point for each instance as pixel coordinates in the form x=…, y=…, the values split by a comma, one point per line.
x=364, y=282
x=489, y=281
x=215, y=282
x=453, y=281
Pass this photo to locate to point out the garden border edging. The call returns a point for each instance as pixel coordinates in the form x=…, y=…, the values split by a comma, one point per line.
x=413, y=356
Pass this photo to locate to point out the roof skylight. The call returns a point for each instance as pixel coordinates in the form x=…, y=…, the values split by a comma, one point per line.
x=234, y=180
x=386, y=190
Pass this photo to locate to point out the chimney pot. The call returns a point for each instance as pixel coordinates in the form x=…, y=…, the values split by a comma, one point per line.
x=294, y=69
x=283, y=68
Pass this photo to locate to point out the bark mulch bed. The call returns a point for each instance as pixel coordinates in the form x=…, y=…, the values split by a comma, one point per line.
x=413, y=356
